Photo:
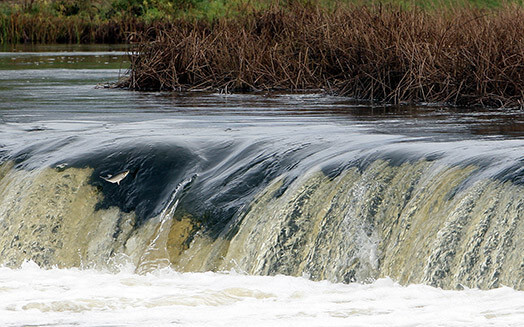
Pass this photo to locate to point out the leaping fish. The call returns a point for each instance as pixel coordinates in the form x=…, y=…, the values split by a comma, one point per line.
x=117, y=178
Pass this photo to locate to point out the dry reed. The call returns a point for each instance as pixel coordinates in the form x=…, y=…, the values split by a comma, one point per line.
x=42, y=28
x=387, y=54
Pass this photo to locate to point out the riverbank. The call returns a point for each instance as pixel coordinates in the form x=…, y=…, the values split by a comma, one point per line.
x=74, y=21
x=106, y=21
x=112, y=21
x=467, y=56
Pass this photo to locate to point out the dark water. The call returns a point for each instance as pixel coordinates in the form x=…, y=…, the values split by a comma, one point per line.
x=230, y=146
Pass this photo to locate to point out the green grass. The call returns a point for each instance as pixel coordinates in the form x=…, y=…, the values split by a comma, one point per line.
x=150, y=10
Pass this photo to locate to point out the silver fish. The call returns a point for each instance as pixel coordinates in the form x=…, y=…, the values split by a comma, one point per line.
x=117, y=178
x=61, y=166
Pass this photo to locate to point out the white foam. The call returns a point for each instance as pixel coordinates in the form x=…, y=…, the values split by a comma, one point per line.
x=63, y=297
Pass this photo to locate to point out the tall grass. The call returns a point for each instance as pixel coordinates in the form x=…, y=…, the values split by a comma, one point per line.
x=465, y=56
x=21, y=28
x=66, y=21
x=109, y=21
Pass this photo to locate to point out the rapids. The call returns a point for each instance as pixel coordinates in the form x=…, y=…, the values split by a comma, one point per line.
x=72, y=297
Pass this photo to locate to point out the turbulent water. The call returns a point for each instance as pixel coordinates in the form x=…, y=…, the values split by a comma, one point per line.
x=70, y=297
x=261, y=186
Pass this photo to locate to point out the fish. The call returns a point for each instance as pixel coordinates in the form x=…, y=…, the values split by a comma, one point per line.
x=117, y=178
x=61, y=166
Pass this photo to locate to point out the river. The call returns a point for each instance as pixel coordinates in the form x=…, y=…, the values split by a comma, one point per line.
x=122, y=208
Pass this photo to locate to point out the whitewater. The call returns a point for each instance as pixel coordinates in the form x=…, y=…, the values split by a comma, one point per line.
x=31, y=296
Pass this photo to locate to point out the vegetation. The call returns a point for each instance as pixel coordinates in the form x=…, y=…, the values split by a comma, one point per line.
x=461, y=56
x=100, y=21
x=110, y=21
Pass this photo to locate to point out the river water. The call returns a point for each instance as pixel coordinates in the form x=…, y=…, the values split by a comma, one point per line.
x=122, y=208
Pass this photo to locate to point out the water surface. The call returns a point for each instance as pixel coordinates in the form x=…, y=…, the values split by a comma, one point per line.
x=265, y=208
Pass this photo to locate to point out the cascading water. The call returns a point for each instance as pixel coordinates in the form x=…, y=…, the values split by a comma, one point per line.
x=414, y=220
x=275, y=185
x=156, y=255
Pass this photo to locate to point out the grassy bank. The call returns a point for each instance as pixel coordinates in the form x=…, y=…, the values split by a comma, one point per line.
x=73, y=21
x=106, y=21
x=111, y=21
x=463, y=56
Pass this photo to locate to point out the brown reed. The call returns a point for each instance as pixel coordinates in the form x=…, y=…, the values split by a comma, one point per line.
x=44, y=28
x=463, y=56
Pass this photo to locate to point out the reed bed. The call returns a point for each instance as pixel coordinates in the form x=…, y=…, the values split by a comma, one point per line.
x=25, y=28
x=463, y=56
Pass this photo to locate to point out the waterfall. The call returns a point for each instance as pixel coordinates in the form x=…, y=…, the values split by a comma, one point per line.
x=420, y=221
